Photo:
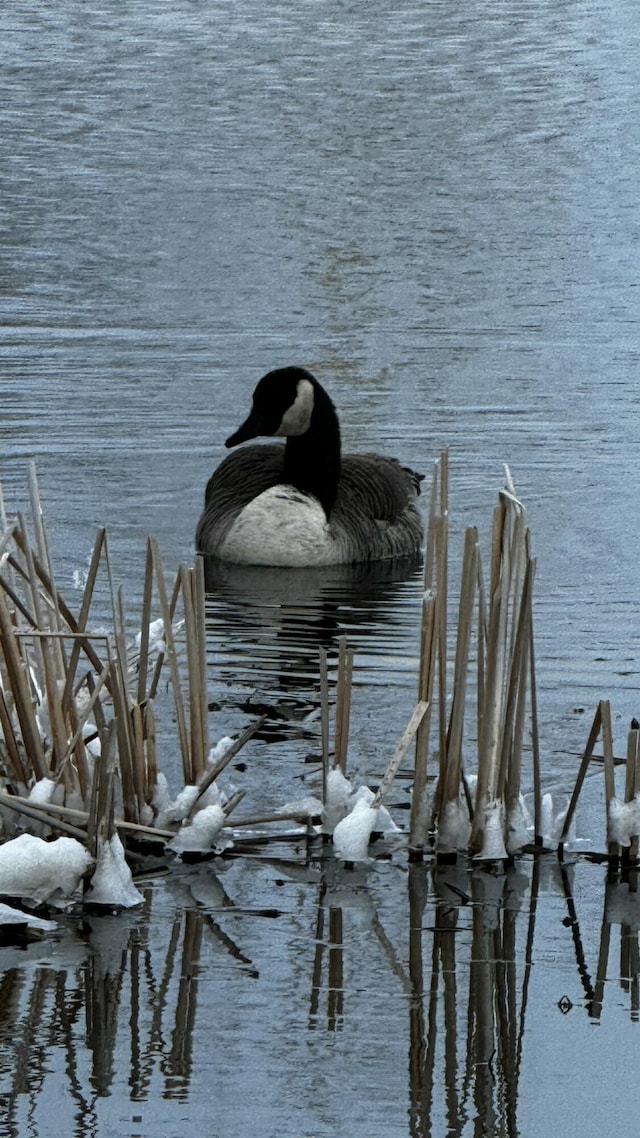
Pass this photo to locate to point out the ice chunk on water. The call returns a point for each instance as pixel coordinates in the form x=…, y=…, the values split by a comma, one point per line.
x=39, y=870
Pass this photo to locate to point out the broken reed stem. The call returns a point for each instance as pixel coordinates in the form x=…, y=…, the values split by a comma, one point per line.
x=442, y=592
x=145, y=621
x=20, y=685
x=199, y=606
x=419, y=818
x=18, y=770
x=45, y=659
x=433, y=652
x=262, y=819
x=100, y=823
x=187, y=764
x=513, y=725
x=399, y=753
x=324, y=720
x=613, y=848
x=632, y=779
x=83, y=616
x=582, y=771
x=195, y=676
x=216, y=770
x=54, y=815
x=535, y=738
x=343, y=705
x=21, y=806
x=453, y=767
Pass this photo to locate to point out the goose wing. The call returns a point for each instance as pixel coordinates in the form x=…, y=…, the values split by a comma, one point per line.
x=239, y=478
x=378, y=487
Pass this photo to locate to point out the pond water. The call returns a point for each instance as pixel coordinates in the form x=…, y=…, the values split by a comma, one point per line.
x=436, y=211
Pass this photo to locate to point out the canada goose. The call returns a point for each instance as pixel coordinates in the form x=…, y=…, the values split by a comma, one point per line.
x=305, y=503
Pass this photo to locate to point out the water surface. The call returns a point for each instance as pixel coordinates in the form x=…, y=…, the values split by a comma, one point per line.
x=436, y=210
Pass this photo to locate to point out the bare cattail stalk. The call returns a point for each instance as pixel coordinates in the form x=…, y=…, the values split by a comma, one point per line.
x=343, y=704
x=145, y=621
x=20, y=685
x=172, y=657
x=582, y=771
x=419, y=819
x=324, y=719
x=83, y=617
x=42, y=815
x=632, y=781
x=216, y=770
x=613, y=847
x=101, y=821
x=453, y=768
x=196, y=673
x=399, y=753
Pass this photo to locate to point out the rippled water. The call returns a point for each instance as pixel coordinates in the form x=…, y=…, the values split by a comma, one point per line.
x=433, y=208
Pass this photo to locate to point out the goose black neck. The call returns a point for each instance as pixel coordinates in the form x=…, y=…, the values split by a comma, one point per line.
x=312, y=460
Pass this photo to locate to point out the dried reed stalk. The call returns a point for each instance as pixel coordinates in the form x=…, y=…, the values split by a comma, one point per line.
x=451, y=779
x=324, y=720
x=196, y=671
x=216, y=770
x=101, y=820
x=419, y=818
x=343, y=704
x=505, y=675
x=432, y=648
x=399, y=753
x=582, y=771
x=20, y=686
x=145, y=621
x=632, y=782
x=613, y=848
x=167, y=616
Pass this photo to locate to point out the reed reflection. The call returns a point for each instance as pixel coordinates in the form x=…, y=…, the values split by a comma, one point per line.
x=126, y=1001
x=621, y=908
x=466, y=1024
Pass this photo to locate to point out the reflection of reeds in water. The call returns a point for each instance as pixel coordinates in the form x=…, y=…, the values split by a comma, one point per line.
x=475, y=1000
x=134, y=1002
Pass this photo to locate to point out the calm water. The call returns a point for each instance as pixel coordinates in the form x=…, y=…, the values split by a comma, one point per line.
x=436, y=210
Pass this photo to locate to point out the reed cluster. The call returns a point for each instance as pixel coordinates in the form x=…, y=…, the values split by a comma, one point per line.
x=78, y=718
x=77, y=706
x=495, y=616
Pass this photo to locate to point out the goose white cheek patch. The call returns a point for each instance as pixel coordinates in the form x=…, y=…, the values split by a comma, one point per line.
x=297, y=418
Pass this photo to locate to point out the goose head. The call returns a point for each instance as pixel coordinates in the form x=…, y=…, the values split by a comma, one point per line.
x=284, y=402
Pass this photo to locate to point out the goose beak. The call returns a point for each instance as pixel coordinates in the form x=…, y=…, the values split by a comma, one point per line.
x=250, y=429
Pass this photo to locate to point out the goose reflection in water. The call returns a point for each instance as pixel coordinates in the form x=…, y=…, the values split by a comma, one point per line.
x=265, y=626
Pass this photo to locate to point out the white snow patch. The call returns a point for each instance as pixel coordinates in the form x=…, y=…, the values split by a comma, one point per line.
x=42, y=792
x=112, y=883
x=338, y=800
x=351, y=835
x=623, y=820
x=11, y=916
x=199, y=835
x=221, y=747
x=551, y=822
x=39, y=870
x=156, y=637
